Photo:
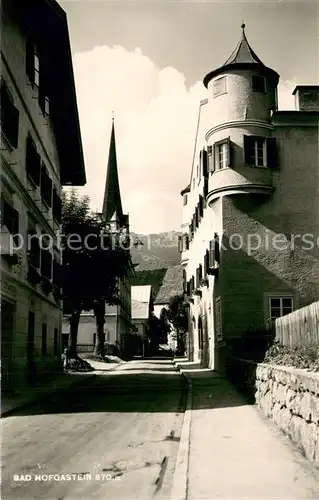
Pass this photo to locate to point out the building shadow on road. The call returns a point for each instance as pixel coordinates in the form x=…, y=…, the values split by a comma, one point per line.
x=121, y=391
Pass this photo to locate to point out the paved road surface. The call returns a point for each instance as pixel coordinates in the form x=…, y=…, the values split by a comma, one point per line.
x=123, y=425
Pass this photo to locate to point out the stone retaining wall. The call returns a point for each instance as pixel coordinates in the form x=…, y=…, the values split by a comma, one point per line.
x=290, y=397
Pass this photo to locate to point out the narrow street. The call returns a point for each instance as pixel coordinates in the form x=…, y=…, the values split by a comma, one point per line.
x=120, y=431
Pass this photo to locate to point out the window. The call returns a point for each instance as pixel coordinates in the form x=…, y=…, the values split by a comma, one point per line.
x=222, y=151
x=57, y=274
x=218, y=319
x=222, y=156
x=9, y=116
x=280, y=306
x=210, y=163
x=258, y=83
x=185, y=199
x=32, y=64
x=260, y=151
x=33, y=162
x=44, y=340
x=10, y=217
x=56, y=206
x=46, y=263
x=46, y=186
x=203, y=160
x=33, y=249
x=219, y=86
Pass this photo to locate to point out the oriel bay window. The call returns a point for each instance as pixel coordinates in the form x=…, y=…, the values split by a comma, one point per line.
x=46, y=186
x=9, y=116
x=33, y=162
x=260, y=151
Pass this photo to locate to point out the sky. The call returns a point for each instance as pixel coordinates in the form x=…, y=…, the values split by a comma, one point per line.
x=145, y=60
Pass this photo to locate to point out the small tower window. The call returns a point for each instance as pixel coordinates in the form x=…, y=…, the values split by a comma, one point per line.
x=219, y=86
x=258, y=83
x=185, y=199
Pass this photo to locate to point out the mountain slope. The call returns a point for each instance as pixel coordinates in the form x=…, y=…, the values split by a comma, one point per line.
x=156, y=250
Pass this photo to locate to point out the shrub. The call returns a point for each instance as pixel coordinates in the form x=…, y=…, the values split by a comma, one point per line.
x=302, y=356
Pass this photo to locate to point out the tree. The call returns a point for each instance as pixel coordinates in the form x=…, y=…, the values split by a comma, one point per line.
x=178, y=315
x=94, y=258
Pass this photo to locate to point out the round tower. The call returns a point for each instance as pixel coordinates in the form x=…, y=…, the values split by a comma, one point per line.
x=241, y=97
x=243, y=88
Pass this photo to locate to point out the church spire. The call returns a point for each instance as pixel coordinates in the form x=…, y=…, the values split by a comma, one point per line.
x=112, y=205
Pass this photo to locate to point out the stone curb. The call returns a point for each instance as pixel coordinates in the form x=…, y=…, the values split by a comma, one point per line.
x=180, y=478
x=44, y=395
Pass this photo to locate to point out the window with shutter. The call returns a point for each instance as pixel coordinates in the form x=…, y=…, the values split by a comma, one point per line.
x=204, y=161
x=210, y=159
x=46, y=186
x=46, y=263
x=180, y=244
x=33, y=249
x=255, y=150
x=9, y=116
x=205, y=187
x=186, y=242
x=222, y=154
x=32, y=63
x=200, y=272
x=216, y=248
x=57, y=274
x=10, y=218
x=212, y=254
x=56, y=206
x=201, y=206
x=206, y=263
x=33, y=162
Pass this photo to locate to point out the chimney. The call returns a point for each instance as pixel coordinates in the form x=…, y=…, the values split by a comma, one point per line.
x=306, y=97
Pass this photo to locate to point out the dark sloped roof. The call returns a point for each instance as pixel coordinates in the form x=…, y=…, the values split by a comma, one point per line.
x=243, y=53
x=172, y=285
x=243, y=56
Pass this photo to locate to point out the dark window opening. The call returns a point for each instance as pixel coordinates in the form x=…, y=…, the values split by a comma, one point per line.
x=33, y=162
x=258, y=83
x=46, y=186
x=9, y=116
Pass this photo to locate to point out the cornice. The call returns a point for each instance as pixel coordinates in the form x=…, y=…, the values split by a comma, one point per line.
x=238, y=124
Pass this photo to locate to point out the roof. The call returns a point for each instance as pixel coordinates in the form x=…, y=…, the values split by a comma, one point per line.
x=140, y=301
x=172, y=285
x=112, y=197
x=46, y=22
x=242, y=57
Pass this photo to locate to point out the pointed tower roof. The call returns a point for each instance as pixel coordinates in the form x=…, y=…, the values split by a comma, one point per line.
x=112, y=196
x=243, y=57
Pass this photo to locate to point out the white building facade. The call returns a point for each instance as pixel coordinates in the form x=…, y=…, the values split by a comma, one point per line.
x=253, y=188
x=40, y=151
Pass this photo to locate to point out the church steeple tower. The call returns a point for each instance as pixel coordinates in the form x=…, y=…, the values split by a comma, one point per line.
x=112, y=204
